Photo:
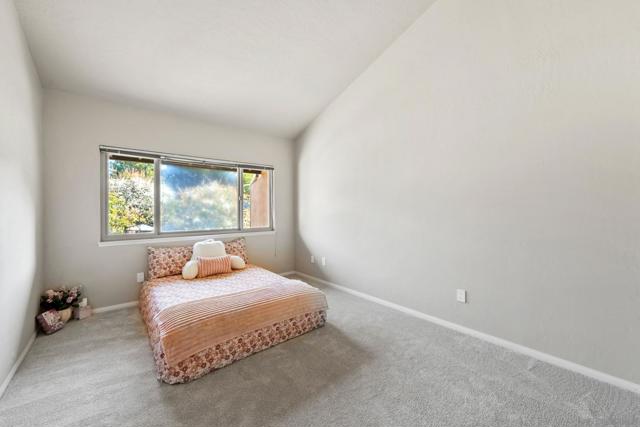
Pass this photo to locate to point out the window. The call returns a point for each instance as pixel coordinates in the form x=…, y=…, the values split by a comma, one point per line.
x=198, y=198
x=130, y=195
x=147, y=194
x=256, y=203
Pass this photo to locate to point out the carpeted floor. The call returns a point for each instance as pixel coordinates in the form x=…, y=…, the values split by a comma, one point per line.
x=369, y=366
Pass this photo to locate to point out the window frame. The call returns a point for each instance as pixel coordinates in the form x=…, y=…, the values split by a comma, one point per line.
x=158, y=158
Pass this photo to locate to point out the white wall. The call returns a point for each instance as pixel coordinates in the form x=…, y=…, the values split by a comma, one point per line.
x=75, y=126
x=20, y=190
x=495, y=147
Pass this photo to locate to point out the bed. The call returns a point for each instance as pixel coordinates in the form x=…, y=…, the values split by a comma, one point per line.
x=197, y=326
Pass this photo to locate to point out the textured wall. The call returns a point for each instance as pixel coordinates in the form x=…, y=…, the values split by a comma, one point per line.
x=493, y=147
x=74, y=128
x=20, y=190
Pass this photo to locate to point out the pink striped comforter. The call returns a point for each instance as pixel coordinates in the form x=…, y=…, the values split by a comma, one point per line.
x=188, y=316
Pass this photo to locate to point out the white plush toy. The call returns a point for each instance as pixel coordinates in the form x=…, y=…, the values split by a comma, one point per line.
x=237, y=263
x=208, y=248
x=190, y=270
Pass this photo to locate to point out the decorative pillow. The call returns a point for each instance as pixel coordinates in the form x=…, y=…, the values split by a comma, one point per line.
x=237, y=263
x=50, y=321
x=214, y=265
x=208, y=248
x=190, y=270
x=237, y=247
x=167, y=261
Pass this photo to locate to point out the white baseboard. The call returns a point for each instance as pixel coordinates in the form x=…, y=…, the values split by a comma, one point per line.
x=544, y=357
x=288, y=273
x=17, y=364
x=115, y=307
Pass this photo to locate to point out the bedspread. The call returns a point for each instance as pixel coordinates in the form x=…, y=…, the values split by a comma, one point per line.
x=191, y=319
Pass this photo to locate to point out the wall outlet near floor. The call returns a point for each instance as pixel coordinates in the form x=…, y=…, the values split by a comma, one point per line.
x=461, y=295
x=324, y=261
x=140, y=277
x=313, y=259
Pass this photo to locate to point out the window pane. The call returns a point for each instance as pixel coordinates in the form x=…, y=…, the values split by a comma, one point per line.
x=130, y=199
x=198, y=198
x=256, y=199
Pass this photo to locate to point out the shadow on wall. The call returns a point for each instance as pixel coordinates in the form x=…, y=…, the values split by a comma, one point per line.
x=19, y=264
x=303, y=263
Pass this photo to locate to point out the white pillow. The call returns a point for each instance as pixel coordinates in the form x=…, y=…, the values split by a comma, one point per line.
x=190, y=270
x=237, y=263
x=209, y=249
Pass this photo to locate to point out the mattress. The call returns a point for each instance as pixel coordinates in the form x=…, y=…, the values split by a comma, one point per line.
x=197, y=326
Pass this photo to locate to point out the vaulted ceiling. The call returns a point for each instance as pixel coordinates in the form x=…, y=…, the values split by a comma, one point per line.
x=266, y=65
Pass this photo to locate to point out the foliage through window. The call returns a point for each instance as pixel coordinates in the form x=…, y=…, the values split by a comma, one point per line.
x=198, y=198
x=130, y=195
x=155, y=195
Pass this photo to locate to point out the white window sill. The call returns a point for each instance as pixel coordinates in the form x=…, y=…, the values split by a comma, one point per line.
x=184, y=238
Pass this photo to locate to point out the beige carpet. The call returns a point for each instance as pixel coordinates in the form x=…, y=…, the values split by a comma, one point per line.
x=370, y=366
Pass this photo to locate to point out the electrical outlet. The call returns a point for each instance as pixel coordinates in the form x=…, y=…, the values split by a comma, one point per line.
x=324, y=261
x=140, y=277
x=313, y=259
x=461, y=296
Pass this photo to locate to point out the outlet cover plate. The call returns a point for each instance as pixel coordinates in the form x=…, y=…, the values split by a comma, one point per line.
x=461, y=295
